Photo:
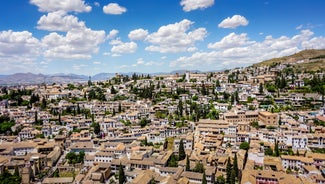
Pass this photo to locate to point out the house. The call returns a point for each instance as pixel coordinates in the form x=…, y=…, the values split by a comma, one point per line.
x=268, y=118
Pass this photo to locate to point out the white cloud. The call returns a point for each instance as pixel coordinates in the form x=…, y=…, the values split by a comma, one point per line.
x=124, y=66
x=66, y=5
x=97, y=4
x=141, y=62
x=59, y=21
x=112, y=34
x=299, y=27
x=138, y=34
x=96, y=62
x=189, y=5
x=231, y=40
x=314, y=43
x=175, y=37
x=151, y=63
x=76, y=44
x=239, y=50
x=78, y=66
x=18, y=46
x=120, y=47
x=191, y=49
x=233, y=22
x=114, y=8
x=116, y=55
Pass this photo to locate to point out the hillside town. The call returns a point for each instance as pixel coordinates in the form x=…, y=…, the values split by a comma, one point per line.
x=258, y=125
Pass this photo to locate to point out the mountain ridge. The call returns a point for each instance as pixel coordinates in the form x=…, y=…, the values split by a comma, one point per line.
x=308, y=54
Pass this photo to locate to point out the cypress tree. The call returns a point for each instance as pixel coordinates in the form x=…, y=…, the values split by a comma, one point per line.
x=245, y=159
x=165, y=144
x=119, y=108
x=36, y=118
x=232, y=177
x=276, y=149
x=121, y=175
x=181, y=151
x=228, y=171
x=188, y=167
x=204, y=178
x=78, y=109
x=16, y=173
x=235, y=165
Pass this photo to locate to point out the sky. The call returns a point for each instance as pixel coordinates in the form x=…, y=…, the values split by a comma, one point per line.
x=116, y=36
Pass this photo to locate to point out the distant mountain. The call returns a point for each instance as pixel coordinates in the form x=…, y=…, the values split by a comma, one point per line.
x=3, y=76
x=30, y=78
x=181, y=72
x=102, y=76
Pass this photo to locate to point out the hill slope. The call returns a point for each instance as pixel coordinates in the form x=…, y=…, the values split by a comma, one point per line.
x=310, y=60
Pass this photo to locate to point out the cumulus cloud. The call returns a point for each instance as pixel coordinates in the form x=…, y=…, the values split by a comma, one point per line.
x=114, y=9
x=59, y=21
x=79, y=42
x=112, y=34
x=189, y=5
x=138, y=34
x=18, y=46
x=57, y=5
x=175, y=37
x=239, y=50
x=233, y=22
x=231, y=40
x=141, y=62
x=120, y=47
x=76, y=44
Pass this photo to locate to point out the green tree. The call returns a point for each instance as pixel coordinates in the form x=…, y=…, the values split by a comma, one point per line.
x=144, y=122
x=276, y=149
x=121, y=175
x=180, y=108
x=187, y=167
x=181, y=151
x=6, y=124
x=89, y=82
x=245, y=159
x=119, y=107
x=96, y=127
x=220, y=180
x=198, y=167
x=16, y=173
x=113, y=91
x=228, y=171
x=244, y=146
x=44, y=104
x=172, y=162
x=165, y=144
x=268, y=151
x=204, y=178
x=233, y=176
x=235, y=165
x=260, y=89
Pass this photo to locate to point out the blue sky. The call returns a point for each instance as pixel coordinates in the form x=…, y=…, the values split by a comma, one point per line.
x=94, y=36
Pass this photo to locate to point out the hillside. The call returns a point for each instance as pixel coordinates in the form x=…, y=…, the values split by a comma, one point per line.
x=310, y=60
